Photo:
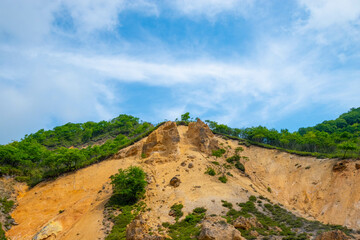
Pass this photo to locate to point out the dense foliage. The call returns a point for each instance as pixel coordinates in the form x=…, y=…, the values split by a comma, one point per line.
x=129, y=185
x=335, y=138
x=47, y=154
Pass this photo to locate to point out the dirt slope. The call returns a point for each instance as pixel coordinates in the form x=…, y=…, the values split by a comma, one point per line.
x=313, y=189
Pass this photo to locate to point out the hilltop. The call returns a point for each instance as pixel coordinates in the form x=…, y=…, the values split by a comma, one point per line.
x=194, y=179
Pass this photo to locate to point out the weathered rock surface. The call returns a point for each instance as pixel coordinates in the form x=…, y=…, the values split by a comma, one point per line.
x=246, y=223
x=175, y=182
x=340, y=166
x=138, y=230
x=201, y=136
x=332, y=235
x=163, y=141
x=215, y=228
x=49, y=232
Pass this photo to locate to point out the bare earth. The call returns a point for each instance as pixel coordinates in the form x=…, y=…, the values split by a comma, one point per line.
x=312, y=190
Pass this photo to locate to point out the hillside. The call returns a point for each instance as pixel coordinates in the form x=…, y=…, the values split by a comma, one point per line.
x=249, y=181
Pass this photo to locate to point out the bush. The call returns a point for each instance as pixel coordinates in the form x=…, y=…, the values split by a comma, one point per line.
x=177, y=210
x=129, y=185
x=240, y=166
x=223, y=179
x=199, y=210
x=210, y=171
x=232, y=159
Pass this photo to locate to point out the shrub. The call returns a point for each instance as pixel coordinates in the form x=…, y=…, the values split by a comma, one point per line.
x=129, y=185
x=232, y=159
x=252, y=198
x=199, y=210
x=215, y=163
x=177, y=210
x=226, y=204
x=269, y=189
x=240, y=166
x=210, y=171
x=223, y=179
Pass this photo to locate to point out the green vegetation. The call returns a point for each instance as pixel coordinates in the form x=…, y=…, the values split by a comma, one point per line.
x=215, y=163
x=2, y=233
x=46, y=154
x=6, y=205
x=187, y=228
x=129, y=185
x=337, y=138
x=218, y=153
x=210, y=171
x=177, y=211
x=223, y=179
x=128, y=213
x=277, y=221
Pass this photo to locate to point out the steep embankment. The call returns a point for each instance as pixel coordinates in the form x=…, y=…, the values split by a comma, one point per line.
x=71, y=207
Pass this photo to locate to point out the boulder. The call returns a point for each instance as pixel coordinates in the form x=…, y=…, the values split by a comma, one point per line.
x=175, y=182
x=49, y=232
x=164, y=141
x=200, y=135
x=138, y=230
x=216, y=228
x=247, y=223
x=332, y=235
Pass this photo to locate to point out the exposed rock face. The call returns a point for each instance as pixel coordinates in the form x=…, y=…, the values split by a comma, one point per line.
x=201, y=136
x=357, y=166
x=49, y=232
x=215, y=228
x=138, y=230
x=340, y=166
x=163, y=141
x=247, y=223
x=332, y=235
x=175, y=182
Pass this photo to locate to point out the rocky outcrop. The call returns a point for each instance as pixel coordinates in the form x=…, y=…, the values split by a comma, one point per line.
x=138, y=230
x=200, y=135
x=216, y=228
x=340, y=166
x=332, y=235
x=247, y=223
x=163, y=141
x=175, y=182
x=49, y=232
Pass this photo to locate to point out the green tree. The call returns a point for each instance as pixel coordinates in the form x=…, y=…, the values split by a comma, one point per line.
x=347, y=146
x=185, y=117
x=129, y=185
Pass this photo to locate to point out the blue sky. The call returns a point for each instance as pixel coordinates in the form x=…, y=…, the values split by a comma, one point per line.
x=282, y=64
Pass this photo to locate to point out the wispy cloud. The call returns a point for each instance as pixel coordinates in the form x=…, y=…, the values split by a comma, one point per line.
x=67, y=61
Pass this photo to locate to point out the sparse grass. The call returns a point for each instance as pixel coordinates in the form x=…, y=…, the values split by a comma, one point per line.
x=6, y=205
x=187, y=228
x=218, y=153
x=128, y=213
x=271, y=216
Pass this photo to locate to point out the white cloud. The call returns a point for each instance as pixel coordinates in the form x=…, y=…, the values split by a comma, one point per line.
x=211, y=8
x=327, y=13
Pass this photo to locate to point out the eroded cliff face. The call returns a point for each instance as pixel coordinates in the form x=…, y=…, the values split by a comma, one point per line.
x=74, y=203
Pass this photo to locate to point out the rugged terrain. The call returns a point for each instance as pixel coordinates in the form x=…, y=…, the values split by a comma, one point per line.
x=72, y=206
